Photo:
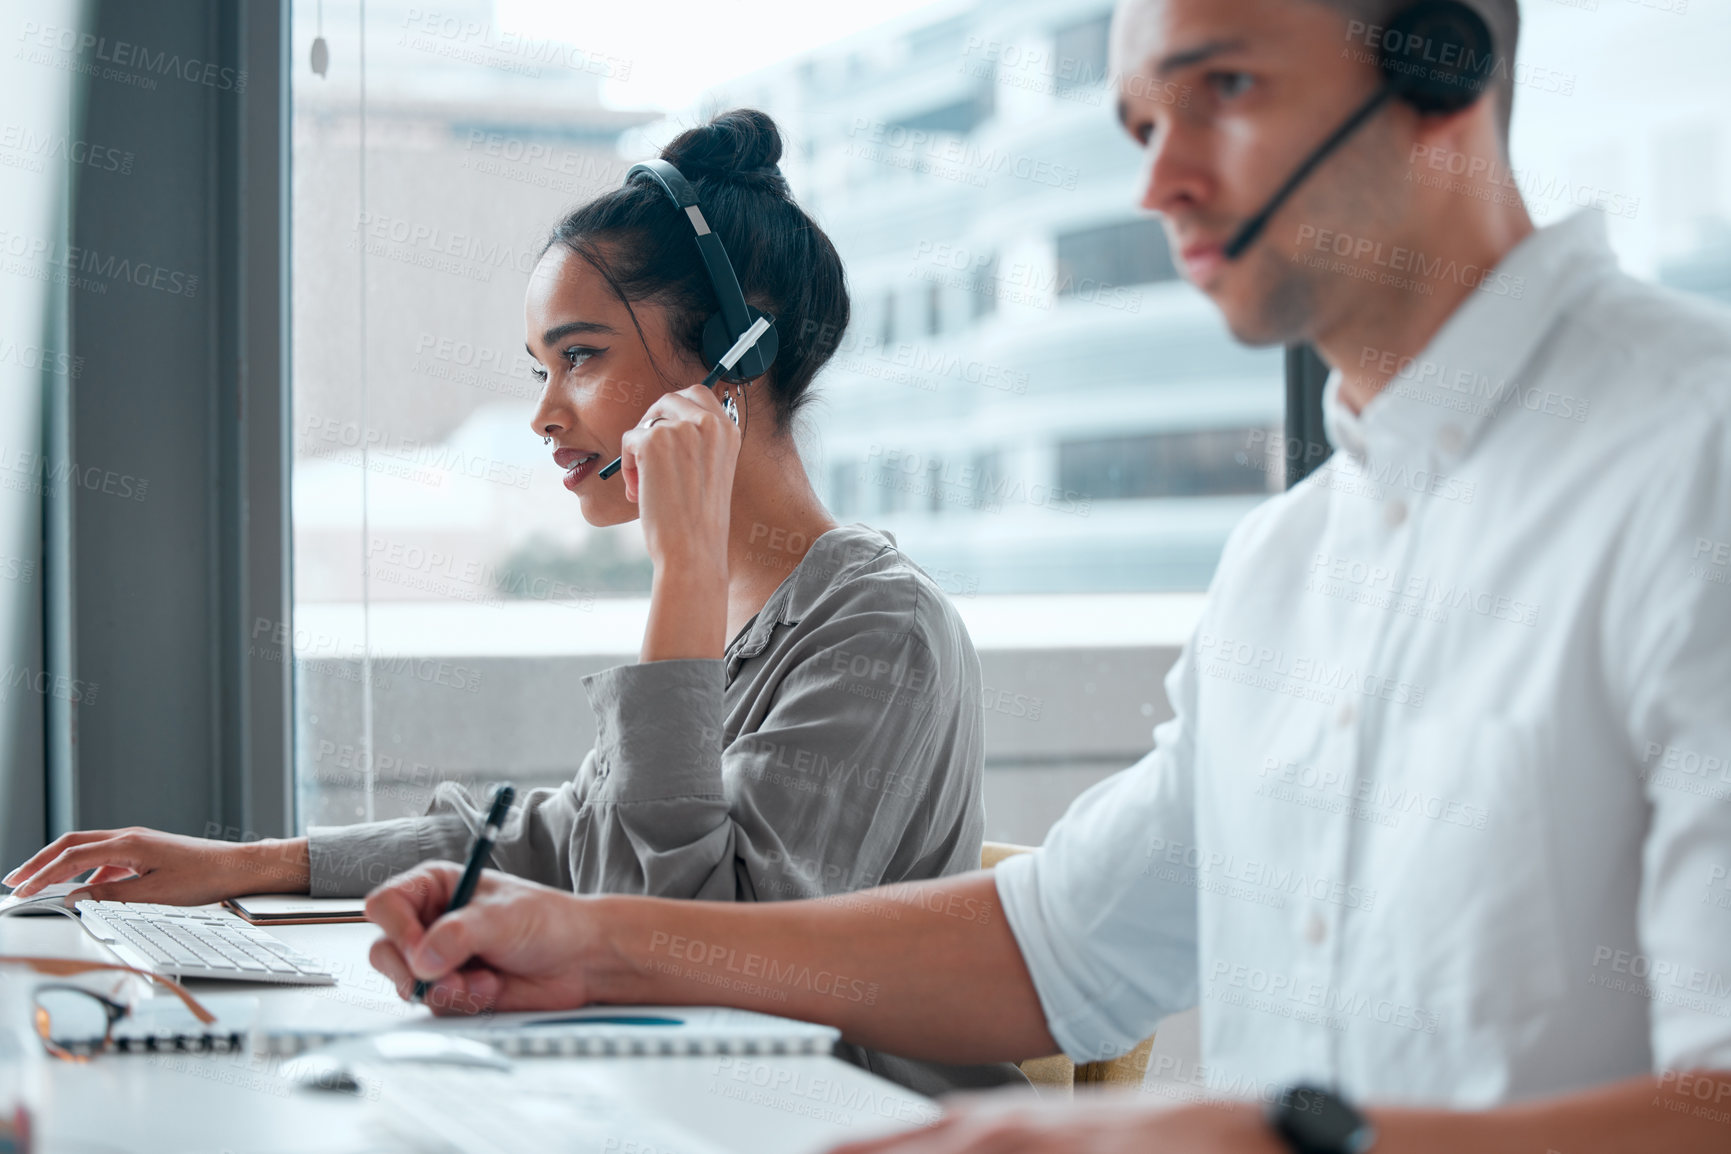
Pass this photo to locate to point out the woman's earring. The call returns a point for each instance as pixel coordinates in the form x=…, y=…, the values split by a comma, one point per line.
x=733, y=401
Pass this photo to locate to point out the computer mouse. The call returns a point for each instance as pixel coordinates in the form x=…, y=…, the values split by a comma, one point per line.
x=322, y=1072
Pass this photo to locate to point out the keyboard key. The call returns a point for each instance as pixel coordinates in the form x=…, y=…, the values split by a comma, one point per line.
x=156, y=954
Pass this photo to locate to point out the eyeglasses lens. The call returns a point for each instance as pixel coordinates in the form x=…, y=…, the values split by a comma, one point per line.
x=72, y=1019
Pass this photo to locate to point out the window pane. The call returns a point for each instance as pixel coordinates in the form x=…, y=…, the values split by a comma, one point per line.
x=1200, y=463
x=1056, y=310
x=1008, y=300
x=1092, y=261
x=433, y=543
x=1079, y=53
x=1619, y=109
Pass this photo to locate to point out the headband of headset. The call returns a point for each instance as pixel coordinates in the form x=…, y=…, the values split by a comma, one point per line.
x=726, y=326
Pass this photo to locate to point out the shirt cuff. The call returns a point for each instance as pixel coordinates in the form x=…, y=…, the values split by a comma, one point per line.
x=658, y=730
x=347, y=861
x=1075, y=1022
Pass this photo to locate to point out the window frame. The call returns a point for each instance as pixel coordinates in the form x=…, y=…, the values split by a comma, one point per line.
x=160, y=602
x=1307, y=444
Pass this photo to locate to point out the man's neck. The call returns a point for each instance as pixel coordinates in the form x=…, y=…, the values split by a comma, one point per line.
x=1383, y=327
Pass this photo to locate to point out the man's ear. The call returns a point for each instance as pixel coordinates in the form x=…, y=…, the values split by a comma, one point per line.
x=1464, y=145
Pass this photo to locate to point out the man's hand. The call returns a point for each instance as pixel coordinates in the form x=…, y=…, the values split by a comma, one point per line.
x=146, y=865
x=517, y=945
x=1096, y=1124
x=945, y=980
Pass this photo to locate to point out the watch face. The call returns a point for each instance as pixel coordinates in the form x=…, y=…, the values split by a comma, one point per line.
x=1317, y=1120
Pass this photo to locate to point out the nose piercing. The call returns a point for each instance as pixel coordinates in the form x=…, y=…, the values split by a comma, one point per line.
x=546, y=440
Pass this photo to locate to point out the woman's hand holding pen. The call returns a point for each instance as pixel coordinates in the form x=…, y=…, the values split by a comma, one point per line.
x=678, y=467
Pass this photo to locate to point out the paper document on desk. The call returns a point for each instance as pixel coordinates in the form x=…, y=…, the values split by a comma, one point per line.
x=535, y=1108
x=603, y=1030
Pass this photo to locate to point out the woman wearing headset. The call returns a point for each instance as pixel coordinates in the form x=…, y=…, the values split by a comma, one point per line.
x=805, y=717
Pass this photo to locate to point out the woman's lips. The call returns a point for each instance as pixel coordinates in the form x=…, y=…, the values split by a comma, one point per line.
x=577, y=466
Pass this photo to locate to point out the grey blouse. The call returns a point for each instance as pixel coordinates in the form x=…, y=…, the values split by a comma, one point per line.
x=836, y=745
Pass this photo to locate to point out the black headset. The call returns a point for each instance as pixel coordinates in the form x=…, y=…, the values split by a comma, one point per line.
x=1436, y=55
x=727, y=326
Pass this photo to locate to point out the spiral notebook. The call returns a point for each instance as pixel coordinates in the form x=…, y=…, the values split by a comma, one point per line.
x=163, y=1022
x=599, y=1030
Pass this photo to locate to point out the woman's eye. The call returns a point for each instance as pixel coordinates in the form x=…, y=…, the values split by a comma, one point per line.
x=1229, y=85
x=572, y=357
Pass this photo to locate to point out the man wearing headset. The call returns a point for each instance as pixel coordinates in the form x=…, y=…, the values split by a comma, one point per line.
x=1435, y=838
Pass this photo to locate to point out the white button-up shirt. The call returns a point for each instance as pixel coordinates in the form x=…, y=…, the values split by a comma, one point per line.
x=1444, y=814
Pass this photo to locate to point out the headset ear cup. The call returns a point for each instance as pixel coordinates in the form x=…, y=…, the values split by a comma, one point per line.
x=1437, y=55
x=718, y=338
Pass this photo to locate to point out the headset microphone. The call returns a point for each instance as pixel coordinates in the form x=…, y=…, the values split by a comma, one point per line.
x=1436, y=55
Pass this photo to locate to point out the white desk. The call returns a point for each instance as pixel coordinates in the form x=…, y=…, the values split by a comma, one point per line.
x=240, y=1104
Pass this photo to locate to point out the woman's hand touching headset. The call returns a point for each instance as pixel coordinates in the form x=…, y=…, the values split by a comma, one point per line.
x=678, y=466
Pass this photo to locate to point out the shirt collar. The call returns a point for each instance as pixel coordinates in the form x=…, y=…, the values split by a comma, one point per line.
x=1441, y=400
x=842, y=548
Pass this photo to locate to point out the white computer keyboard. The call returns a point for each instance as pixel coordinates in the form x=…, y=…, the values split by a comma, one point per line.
x=198, y=942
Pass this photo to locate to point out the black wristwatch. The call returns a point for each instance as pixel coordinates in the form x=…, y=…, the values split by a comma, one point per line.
x=1311, y=1120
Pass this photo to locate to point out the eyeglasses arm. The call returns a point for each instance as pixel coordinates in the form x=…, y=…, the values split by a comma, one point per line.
x=67, y=967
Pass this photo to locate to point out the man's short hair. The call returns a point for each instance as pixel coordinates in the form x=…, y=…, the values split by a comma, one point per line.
x=1502, y=16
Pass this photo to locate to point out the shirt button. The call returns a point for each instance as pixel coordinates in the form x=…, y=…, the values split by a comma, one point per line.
x=1315, y=929
x=1394, y=513
x=1346, y=716
x=1449, y=439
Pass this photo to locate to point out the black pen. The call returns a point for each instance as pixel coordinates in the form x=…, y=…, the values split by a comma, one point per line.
x=728, y=359
x=502, y=799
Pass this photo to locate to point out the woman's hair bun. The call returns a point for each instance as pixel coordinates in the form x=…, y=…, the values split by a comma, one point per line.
x=741, y=143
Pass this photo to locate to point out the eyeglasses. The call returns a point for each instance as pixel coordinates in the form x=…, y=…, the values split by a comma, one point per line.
x=75, y=1023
